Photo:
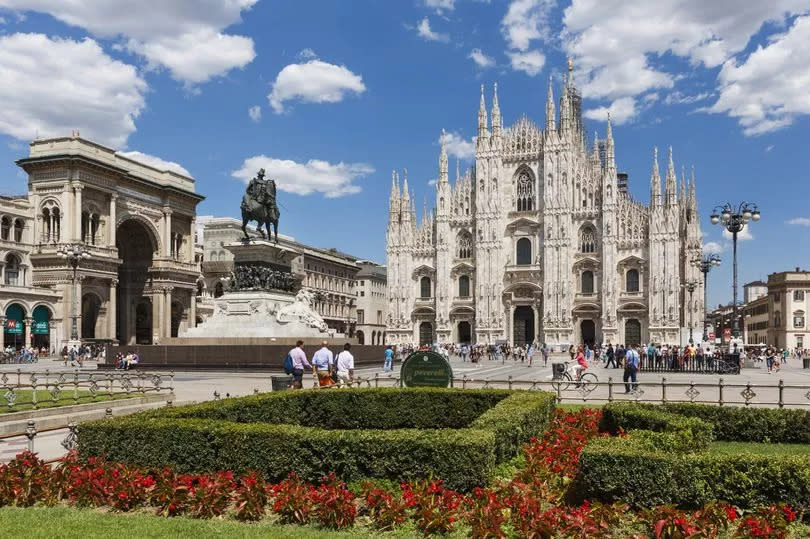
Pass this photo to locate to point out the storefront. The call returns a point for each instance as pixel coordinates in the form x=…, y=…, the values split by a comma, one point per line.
x=14, y=327
x=41, y=328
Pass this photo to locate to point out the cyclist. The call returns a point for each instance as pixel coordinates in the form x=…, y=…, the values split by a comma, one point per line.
x=582, y=363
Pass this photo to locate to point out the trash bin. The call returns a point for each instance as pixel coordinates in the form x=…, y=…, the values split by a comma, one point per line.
x=557, y=370
x=806, y=362
x=280, y=383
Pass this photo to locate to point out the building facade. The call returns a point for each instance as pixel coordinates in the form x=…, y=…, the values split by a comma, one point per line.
x=372, y=303
x=789, y=294
x=135, y=222
x=541, y=241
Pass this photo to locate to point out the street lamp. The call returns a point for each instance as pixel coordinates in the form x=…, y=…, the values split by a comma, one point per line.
x=705, y=264
x=734, y=221
x=690, y=287
x=74, y=254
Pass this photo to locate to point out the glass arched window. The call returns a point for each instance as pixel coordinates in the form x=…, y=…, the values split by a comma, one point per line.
x=5, y=228
x=631, y=280
x=56, y=225
x=525, y=192
x=464, y=244
x=587, y=240
x=425, y=288
x=463, y=286
x=12, y=270
x=523, y=252
x=587, y=282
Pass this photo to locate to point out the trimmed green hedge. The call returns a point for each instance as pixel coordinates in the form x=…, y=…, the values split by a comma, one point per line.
x=672, y=431
x=237, y=434
x=626, y=470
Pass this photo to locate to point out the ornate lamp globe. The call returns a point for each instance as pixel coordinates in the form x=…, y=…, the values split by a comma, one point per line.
x=725, y=216
x=746, y=214
x=755, y=215
x=715, y=218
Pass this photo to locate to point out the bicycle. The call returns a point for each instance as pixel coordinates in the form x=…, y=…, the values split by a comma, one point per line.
x=587, y=380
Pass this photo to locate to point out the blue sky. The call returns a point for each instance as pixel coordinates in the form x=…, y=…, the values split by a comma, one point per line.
x=331, y=96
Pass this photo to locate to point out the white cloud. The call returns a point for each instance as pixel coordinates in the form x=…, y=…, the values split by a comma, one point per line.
x=530, y=62
x=155, y=162
x=621, y=110
x=481, y=59
x=2, y=20
x=255, y=113
x=714, y=247
x=313, y=82
x=769, y=147
x=456, y=145
x=424, y=31
x=440, y=6
x=314, y=176
x=183, y=36
x=769, y=90
x=679, y=98
x=615, y=44
x=801, y=221
x=432, y=182
x=307, y=54
x=742, y=235
x=54, y=86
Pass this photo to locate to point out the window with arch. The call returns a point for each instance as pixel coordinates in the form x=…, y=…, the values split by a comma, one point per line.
x=523, y=252
x=587, y=282
x=631, y=280
x=464, y=245
x=90, y=226
x=12, y=270
x=5, y=228
x=18, y=230
x=798, y=295
x=525, y=192
x=464, y=286
x=587, y=240
x=425, y=288
x=798, y=319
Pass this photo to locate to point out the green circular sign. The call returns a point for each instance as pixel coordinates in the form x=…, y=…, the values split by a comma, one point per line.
x=426, y=369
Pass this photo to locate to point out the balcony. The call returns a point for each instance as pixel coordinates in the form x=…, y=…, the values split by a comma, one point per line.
x=523, y=272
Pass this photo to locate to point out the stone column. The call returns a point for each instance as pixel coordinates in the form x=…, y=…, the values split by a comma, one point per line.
x=157, y=311
x=28, y=321
x=77, y=212
x=2, y=333
x=78, y=299
x=167, y=232
x=192, y=309
x=510, y=331
x=191, y=243
x=112, y=309
x=112, y=225
x=536, y=335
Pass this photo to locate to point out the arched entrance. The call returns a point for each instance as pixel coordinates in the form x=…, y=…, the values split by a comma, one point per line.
x=361, y=338
x=425, y=333
x=523, y=325
x=177, y=317
x=14, y=328
x=588, y=331
x=41, y=328
x=91, y=306
x=464, y=332
x=632, y=332
x=136, y=246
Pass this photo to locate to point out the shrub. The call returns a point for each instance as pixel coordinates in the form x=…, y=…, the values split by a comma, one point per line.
x=386, y=509
x=463, y=457
x=688, y=433
x=25, y=481
x=250, y=497
x=333, y=504
x=435, y=508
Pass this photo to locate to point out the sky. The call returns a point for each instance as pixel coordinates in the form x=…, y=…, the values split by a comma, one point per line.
x=330, y=97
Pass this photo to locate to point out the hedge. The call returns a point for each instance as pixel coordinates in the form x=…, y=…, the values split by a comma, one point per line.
x=625, y=470
x=235, y=434
x=678, y=432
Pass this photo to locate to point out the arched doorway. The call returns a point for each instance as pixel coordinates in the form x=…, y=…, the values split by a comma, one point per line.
x=136, y=246
x=41, y=328
x=464, y=332
x=588, y=330
x=632, y=332
x=425, y=333
x=177, y=317
x=373, y=337
x=14, y=328
x=361, y=338
x=523, y=325
x=91, y=306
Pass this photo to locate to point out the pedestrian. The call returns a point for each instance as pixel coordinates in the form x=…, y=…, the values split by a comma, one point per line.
x=610, y=354
x=388, y=366
x=299, y=360
x=544, y=351
x=631, y=360
x=323, y=361
x=530, y=354
x=770, y=354
x=345, y=365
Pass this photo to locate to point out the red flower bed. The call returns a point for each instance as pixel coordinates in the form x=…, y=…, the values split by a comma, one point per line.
x=528, y=506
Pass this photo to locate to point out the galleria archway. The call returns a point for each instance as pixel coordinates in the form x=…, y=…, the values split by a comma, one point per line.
x=136, y=245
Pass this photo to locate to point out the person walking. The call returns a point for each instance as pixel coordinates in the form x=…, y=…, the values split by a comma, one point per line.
x=345, y=365
x=323, y=361
x=299, y=361
x=610, y=354
x=631, y=361
x=544, y=351
x=770, y=355
x=388, y=366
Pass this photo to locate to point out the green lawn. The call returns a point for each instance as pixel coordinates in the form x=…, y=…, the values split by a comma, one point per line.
x=45, y=400
x=735, y=448
x=70, y=523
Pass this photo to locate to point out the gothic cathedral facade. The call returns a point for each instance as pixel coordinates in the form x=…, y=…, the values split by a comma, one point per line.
x=541, y=242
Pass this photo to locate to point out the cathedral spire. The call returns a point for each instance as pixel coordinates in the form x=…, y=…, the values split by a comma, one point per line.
x=443, y=160
x=671, y=189
x=405, y=193
x=683, y=184
x=458, y=169
x=551, y=113
x=482, y=117
x=610, y=154
x=692, y=193
x=496, y=114
x=394, y=185
x=655, y=182
x=565, y=110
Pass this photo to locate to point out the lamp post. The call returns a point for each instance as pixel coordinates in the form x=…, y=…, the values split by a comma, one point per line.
x=690, y=287
x=74, y=254
x=734, y=220
x=704, y=264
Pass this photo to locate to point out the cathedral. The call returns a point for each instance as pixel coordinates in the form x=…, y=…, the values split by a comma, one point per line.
x=541, y=241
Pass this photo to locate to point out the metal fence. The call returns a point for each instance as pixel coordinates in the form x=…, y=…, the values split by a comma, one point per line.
x=27, y=388
x=702, y=365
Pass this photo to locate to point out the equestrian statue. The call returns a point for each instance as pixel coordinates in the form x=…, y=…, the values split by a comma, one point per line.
x=259, y=204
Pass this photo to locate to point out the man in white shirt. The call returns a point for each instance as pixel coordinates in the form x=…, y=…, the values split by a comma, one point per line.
x=345, y=365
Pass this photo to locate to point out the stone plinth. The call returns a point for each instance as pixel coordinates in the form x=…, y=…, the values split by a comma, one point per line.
x=264, y=252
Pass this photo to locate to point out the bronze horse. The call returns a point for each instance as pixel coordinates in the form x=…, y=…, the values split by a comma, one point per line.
x=259, y=204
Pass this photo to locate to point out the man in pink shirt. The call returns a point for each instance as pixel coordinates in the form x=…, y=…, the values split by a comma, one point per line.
x=299, y=359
